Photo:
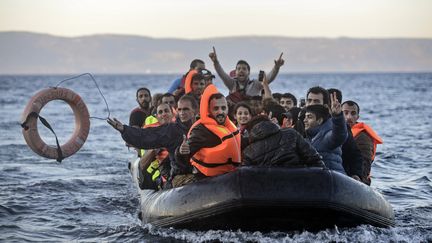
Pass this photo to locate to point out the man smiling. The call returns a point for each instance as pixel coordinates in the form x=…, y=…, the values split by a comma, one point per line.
x=213, y=143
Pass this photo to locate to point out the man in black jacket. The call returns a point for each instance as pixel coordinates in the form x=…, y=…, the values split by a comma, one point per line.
x=168, y=136
x=271, y=146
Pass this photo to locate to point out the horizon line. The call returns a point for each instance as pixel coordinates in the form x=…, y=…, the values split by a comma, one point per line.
x=208, y=38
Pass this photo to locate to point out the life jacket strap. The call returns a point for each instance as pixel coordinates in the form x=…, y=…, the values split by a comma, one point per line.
x=214, y=165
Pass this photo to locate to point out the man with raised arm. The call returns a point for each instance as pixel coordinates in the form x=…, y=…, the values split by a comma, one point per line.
x=241, y=84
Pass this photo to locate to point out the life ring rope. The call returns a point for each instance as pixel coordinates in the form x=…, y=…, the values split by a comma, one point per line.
x=47, y=125
x=97, y=86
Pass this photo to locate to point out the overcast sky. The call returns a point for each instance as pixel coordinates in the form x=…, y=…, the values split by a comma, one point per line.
x=215, y=18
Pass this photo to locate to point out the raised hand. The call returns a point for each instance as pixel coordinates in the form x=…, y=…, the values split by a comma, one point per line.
x=265, y=80
x=335, y=108
x=279, y=62
x=213, y=55
x=184, y=147
x=116, y=124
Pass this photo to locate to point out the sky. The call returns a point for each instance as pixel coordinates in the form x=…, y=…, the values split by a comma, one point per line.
x=196, y=19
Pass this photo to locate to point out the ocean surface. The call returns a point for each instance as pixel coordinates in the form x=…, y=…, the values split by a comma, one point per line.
x=90, y=196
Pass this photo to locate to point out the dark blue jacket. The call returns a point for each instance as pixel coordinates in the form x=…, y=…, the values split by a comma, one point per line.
x=327, y=139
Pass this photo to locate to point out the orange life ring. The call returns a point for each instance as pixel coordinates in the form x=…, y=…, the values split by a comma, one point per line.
x=31, y=113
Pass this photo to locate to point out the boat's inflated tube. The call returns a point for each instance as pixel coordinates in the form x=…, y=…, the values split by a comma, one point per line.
x=31, y=114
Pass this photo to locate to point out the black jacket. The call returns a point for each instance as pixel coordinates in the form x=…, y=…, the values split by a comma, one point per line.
x=168, y=136
x=352, y=159
x=271, y=146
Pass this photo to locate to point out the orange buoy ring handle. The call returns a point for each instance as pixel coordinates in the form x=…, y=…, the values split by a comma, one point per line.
x=31, y=113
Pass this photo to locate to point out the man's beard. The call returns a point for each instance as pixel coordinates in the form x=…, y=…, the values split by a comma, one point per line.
x=145, y=105
x=220, y=119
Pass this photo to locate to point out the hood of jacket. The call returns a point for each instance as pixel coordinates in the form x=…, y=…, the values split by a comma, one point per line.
x=263, y=130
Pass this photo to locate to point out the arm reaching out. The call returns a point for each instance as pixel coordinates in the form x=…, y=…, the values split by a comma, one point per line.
x=274, y=72
x=228, y=81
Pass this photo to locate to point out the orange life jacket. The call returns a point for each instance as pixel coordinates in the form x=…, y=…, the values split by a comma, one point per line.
x=224, y=157
x=360, y=127
x=188, y=81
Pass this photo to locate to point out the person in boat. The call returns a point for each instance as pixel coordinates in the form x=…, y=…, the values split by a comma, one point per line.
x=155, y=165
x=243, y=114
x=277, y=96
x=138, y=115
x=169, y=136
x=364, y=136
x=351, y=155
x=177, y=87
x=213, y=145
x=288, y=101
x=271, y=146
x=169, y=99
x=241, y=86
x=327, y=134
x=196, y=81
x=290, y=120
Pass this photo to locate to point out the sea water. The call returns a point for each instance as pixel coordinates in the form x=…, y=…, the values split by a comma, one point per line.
x=90, y=195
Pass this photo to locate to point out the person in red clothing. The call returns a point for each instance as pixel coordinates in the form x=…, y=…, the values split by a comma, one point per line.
x=365, y=137
x=138, y=115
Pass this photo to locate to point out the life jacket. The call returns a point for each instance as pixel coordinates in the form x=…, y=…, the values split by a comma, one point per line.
x=224, y=157
x=188, y=81
x=360, y=127
x=183, y=81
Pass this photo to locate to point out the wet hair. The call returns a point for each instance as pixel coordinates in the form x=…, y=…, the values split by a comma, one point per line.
x=276, y=110
x=215, y=96
x=191, y=99
x=338, y=93
x=319, y=90
x=293, y=113
x=255, y=120
x=245, y=105
x=167, y=95
x=244, y=63
x=319, y=111
x=195, y=63
x=352, y=103
x=277, y=96
x=142, y=88
x=290, y=96
x=269, y=101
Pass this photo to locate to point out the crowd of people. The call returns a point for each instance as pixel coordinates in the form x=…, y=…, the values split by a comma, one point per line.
x=194, y=131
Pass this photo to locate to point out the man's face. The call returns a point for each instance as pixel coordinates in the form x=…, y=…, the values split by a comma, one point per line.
x=310, y=121
x=286, y=103
x=169, y=100
x=219, y=110
x=198, y=86
x=242, y=72
x=164, y=114
x=315, y=99
x=143, y=99
x=185, y=110
x=351, y=114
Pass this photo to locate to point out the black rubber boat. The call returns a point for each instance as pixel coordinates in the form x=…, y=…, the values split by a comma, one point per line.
x=257, y=198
